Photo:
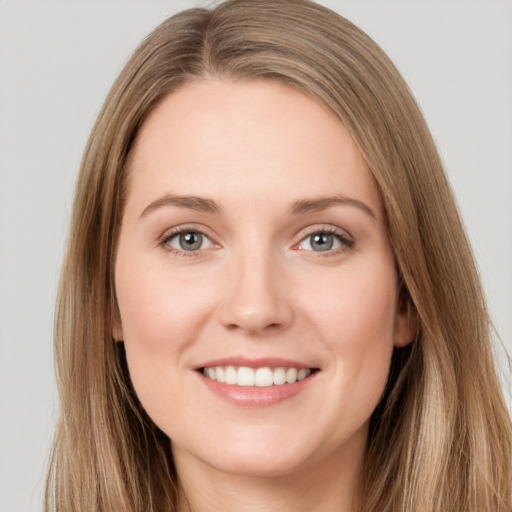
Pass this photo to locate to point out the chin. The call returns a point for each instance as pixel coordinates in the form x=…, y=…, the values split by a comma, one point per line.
x=262, y=465
x=261, y=451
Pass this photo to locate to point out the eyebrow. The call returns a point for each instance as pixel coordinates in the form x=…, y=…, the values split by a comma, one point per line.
x=200, y=204
x=316, y=205
x=301, y=206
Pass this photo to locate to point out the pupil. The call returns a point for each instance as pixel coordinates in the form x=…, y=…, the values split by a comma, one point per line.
x=191, y=241
x=322, y=242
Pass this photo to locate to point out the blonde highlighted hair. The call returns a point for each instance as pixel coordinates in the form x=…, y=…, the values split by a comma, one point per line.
x=440, y=439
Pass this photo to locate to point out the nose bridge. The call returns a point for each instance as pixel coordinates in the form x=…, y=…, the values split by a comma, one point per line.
x=256, y=297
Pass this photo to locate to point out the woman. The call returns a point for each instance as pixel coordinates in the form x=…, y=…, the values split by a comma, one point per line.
x=268, y=299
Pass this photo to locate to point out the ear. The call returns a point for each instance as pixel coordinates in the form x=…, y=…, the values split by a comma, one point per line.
x=406, y=322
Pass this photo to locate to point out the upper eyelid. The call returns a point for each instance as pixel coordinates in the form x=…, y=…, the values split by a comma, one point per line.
x=324, y=228
x=185, y=228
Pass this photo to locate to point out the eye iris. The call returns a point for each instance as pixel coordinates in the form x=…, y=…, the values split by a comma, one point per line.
x=191, y=241
x=322, y=242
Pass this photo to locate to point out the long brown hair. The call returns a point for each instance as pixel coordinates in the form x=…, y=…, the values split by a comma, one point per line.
x=440, y=440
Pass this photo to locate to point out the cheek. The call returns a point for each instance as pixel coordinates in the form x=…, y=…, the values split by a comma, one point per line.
x=157, y=306
x=155, y=312
x=160, y=316
x=360, y=306
x=357, y=319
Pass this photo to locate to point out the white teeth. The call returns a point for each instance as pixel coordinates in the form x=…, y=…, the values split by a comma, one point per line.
x=302, y=374
x=260, y=377
x=264, y=377
x=291, y=375
x=246, y=376
x=231, y=376
x=279, y=376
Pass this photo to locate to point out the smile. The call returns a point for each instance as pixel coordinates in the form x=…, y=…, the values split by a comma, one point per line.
x=256, y=377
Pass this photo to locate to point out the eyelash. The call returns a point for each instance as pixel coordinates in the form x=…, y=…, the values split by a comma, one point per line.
x=347, y=242
x=169, y=235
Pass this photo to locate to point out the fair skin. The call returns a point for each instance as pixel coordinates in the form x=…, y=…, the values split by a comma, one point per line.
x=253, y=236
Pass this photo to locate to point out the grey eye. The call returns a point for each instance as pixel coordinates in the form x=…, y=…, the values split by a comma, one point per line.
x=190, y=241
x=320, y=242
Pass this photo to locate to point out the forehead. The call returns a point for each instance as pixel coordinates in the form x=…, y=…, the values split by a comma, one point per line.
x=220, y=137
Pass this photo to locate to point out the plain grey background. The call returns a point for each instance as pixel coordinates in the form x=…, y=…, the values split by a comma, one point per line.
x=57, y=62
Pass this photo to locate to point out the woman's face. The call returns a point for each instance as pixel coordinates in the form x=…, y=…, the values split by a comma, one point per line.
x=253, y=251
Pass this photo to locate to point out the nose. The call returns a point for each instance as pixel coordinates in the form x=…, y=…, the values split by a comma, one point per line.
x=257, y=297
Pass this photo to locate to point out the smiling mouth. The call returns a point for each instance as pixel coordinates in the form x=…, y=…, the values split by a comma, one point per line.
x=263, y=377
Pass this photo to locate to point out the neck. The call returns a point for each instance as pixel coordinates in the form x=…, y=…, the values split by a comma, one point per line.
x=322, y=487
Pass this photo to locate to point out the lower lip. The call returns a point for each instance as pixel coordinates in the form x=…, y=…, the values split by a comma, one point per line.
x=253, y=396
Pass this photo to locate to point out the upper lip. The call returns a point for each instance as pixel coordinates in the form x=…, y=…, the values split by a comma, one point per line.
x=260, y=362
